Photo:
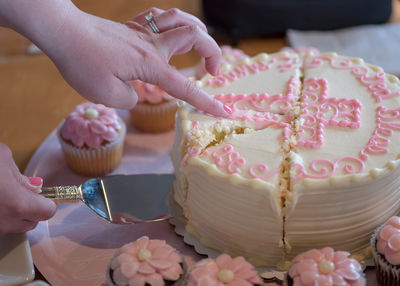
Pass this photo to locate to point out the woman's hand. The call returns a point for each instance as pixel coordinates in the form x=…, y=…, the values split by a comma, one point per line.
x=20, y=207
x=101, y=56
x=98, y=57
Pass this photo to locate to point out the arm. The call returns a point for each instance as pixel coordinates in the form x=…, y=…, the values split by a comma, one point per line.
x=97, y=57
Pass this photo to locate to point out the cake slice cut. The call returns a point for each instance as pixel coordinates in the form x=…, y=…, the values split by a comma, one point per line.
x=229, y=173
x=344, y=175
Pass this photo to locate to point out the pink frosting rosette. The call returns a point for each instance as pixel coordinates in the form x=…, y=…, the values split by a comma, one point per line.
x=388, y=240
x=326, y=267
x=145, y=260
x=223, y=271
x=149, y=93
x=91, y=124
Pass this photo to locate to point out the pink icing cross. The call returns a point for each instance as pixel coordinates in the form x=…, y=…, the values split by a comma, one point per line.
x=320, y=111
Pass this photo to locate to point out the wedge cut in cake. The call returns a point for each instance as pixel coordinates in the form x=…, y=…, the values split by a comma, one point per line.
x=308, y=158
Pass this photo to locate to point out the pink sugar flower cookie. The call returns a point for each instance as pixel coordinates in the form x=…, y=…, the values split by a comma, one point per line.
x=385, y=245
x=149, y=262
x=325, y=267
x=223, y=271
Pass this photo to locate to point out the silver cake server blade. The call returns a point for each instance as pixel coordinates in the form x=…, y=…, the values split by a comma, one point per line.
x=120, y=198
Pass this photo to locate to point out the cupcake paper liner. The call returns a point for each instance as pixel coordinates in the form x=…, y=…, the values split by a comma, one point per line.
x=386, y=273
x=154, y=118
x=94, y=162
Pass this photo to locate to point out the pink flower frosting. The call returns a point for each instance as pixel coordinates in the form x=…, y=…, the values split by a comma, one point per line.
x=145, y=260
x=326, y=267
x=149, y=93
x=388, y=240
x=91, y=124
x=223, y=271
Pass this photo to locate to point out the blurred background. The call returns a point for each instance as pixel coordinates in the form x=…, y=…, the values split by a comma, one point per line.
x=34, y=98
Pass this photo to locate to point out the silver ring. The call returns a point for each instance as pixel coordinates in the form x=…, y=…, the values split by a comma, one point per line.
x=150, y=20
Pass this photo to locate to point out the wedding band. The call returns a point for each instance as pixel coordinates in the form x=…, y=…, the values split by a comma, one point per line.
x=150, y=20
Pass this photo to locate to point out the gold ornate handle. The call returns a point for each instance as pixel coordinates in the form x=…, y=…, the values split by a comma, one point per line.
x=67, y=194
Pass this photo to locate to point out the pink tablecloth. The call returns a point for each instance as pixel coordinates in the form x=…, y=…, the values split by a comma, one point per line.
x=75, y=246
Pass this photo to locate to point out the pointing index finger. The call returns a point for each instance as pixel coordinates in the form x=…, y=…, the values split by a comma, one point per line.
x=178, y=86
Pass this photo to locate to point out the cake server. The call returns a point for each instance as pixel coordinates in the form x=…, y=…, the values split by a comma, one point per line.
x=120, y=198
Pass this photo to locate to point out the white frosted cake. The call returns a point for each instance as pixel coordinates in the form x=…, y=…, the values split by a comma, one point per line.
x=309, y=157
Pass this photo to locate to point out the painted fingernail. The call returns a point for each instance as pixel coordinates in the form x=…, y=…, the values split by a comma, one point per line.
x=35, y=181
x=228, y=109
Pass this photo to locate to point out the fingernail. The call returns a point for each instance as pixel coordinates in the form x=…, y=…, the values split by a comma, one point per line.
x=35, y=181
x=228, y=109
x=219, y=70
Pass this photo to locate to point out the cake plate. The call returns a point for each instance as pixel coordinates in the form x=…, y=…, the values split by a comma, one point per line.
x=75, y=246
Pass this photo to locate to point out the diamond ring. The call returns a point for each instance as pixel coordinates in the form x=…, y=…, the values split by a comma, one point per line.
x=150, y=20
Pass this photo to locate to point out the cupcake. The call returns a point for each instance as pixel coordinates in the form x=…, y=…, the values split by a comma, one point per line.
x=325, y=267
x=155, y=110
x=223, y=271
x=92, y=138
x=229, y=56
x=385, y=245
x=145, y=262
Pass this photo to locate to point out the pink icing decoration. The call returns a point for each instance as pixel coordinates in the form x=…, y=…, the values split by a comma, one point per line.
x=256, y=169
x=149, y=93
x=258, y=108
x=374, y=81
x=205, y=272
x=288, y=63
x=378, y=142
x=226, y=157
x=319, y=111
x=163, y=264
x=258, y=102
x=305, y=269
x=388, y=241
x=322, y=169
x=91, y=132
x=335, y=62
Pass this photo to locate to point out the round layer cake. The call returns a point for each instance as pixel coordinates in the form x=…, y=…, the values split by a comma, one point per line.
x=309, y=157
